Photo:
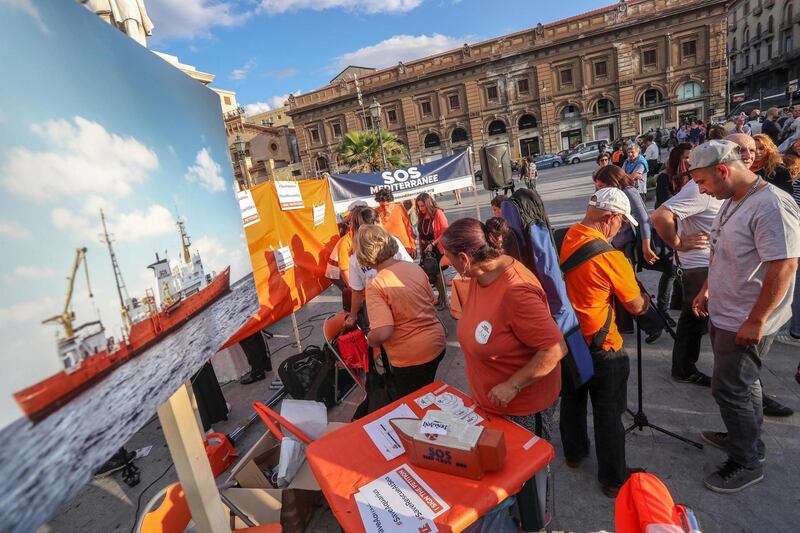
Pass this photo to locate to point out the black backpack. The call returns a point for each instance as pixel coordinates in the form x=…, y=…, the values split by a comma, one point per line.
x=311, y=375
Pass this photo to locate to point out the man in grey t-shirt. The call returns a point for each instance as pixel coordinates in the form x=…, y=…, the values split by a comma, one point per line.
x=684, y=223
x=755, y=243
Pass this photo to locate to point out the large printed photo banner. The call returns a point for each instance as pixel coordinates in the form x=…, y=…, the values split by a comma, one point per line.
x=124, y=264
x=440, y=176
x=289, y=249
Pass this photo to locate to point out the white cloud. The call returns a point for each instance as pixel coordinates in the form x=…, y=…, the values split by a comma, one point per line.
x=191, y=19
x=282, y=73
x=134, y=225
x=398, y=48
x=273, y=102
x=13, y=229
x=366, y=6
x=216, y=257
x=27, y=7
x=243, y=71
x=82, y=157
x=206, y=172
x=31, y=271
x=31, y=311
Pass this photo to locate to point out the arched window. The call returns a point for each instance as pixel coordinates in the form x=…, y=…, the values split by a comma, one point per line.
x=570, y=111
x=770, y=25
x=651, y=97
x=733, y=45
x=787, y=13
x=459, y=135
x=758, y=30
x=497, y=127
x=603, y=106
x=526, y=122
x=745, y=36
x=322, y=164
x=690, y=89
x=432, y=140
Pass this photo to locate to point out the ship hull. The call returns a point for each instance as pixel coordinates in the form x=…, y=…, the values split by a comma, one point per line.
x=47, y=396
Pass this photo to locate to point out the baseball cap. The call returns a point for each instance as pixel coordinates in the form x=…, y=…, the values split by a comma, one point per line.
x=614, y=200
x=714, y=153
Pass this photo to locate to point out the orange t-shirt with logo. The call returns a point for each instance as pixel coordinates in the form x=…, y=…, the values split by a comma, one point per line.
x=401, y=296
x=502, y=326
x=591, y=285
x=397, y=224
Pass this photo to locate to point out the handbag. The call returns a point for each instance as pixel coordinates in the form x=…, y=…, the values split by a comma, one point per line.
x=353, y=349
x=430, y=264
x=381, y=390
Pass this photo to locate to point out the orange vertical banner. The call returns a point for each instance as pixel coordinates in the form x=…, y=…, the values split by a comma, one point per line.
x=280, y=293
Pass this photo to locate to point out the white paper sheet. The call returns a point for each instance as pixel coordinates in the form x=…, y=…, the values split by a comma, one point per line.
x=248, y=208
x=399, y=501
x=319, y=215
x=284, y=259
x=289, y=195
x=384, y=436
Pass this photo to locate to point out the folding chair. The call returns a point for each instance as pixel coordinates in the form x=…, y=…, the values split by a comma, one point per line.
x=444, y=263
x=331, y=329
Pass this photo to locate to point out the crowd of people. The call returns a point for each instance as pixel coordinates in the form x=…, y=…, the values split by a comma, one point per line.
x=724, y=233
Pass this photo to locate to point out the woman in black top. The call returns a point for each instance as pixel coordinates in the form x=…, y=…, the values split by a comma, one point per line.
x=769, y=164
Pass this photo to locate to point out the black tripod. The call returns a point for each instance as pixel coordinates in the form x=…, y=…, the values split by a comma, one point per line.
x=640, y=420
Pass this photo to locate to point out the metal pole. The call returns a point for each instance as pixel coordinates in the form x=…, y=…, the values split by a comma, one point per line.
x=380, y=141
x=474, y=184
x=728, y=93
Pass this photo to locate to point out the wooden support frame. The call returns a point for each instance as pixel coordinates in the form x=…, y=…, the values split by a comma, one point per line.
x=184, y=435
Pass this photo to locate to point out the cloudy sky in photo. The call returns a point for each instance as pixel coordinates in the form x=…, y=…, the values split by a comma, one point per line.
x=266, y=49
x=120, y=130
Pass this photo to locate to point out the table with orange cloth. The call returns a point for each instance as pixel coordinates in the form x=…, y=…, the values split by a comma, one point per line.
x=347, y=459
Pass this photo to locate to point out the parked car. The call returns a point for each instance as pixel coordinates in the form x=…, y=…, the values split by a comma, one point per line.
x=583, y=151
x=548, y=160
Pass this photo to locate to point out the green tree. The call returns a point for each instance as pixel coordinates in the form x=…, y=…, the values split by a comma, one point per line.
x=361, y=151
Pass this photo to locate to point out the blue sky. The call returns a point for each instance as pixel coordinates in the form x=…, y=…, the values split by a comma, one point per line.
x=94, y=121
x=265, y=49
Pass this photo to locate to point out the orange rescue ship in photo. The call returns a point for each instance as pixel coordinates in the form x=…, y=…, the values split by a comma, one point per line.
x=87, y=355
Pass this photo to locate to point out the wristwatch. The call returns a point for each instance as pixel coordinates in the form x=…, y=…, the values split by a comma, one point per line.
x=516, y=387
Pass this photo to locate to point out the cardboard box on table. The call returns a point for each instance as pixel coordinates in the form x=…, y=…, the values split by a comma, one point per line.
x=264, y=504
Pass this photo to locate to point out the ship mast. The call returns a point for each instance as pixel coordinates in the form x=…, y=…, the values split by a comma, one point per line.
x=185, y=242
x=121, y=289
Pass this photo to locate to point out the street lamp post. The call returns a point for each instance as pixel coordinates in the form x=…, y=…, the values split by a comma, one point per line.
x=375, y=111
x=241, y=146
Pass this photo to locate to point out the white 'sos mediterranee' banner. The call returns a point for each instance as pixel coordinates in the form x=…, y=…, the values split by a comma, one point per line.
x=440, y=176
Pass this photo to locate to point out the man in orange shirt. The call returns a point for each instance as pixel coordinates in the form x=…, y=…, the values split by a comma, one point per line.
x=593, y=280
x=394, y=219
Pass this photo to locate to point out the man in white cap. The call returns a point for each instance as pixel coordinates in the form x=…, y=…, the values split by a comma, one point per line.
x=595, y=274
x=755, y=243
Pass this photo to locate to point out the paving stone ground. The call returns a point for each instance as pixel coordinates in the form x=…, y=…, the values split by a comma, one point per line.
x=108, y=505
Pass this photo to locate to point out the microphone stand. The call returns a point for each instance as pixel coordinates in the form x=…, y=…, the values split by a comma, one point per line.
x=640, y=420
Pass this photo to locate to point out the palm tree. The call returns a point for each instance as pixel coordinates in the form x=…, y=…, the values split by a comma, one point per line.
x=361, y=151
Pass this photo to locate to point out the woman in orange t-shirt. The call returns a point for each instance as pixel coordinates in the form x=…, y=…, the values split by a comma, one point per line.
x=395, y=220
x=511, y=344
x=401, y=312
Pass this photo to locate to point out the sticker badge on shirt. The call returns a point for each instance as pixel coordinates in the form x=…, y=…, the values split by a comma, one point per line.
x=482, y=332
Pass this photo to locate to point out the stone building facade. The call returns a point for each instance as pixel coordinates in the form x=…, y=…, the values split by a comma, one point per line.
x=608, y=73
x=764, y=49
x=270, y=153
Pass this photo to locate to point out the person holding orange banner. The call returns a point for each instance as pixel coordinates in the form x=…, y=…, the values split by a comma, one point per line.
x=402, y=316
x=395, y=219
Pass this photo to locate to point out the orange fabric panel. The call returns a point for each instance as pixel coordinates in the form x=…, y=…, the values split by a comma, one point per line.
x=280, y=294
x=643, y=500
x=172, y=516
x=340, y=472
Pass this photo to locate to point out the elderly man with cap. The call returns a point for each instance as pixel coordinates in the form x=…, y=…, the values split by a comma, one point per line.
x=596, y=274
x=755, y=243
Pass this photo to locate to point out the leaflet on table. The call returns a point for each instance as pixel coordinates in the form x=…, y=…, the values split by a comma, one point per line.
x=384, y=436
x=399, y=501
x=457, y=433
x=450, y=403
